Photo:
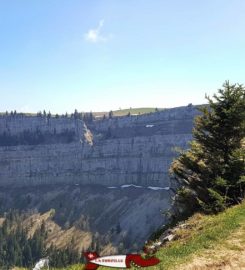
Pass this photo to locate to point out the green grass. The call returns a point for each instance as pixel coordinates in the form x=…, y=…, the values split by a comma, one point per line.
x=211, y=230
x=134, y=111
x=73, y=267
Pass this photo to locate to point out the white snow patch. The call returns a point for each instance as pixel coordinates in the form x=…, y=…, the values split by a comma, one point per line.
x=130, y=185
x=135, y=186
x=158, y=188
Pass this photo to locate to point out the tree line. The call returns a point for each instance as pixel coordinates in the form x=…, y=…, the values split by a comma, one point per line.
x=17, y=249
x=28, y=137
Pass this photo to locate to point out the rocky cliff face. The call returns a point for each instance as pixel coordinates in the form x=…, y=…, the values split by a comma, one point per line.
x=106, y=177
x=110, y=152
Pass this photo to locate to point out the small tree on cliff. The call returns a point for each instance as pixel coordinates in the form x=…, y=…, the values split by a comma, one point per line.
x=211, y=173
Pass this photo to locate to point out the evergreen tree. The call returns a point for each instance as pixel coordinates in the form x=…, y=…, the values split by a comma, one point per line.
x=49, y=114
x=76, y=114
x=17, y=249
x=91, y=117
x=211, y=173
x=88, y=118
x=110, y=114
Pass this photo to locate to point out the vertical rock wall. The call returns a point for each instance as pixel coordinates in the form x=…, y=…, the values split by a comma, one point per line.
x=111, y=152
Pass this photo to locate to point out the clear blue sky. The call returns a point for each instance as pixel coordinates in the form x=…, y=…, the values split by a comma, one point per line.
x=99, y=55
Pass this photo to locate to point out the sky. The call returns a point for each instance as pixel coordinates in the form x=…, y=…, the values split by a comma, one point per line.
x=102, y=55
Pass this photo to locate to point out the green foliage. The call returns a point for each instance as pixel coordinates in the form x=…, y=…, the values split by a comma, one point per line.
x=38, y=137
x=216, y=202
x=17, y=249
x=211, y=172
x=88, y=117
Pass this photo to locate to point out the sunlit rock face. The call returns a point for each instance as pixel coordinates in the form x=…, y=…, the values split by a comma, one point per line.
x=122, y=150
x=108, y=177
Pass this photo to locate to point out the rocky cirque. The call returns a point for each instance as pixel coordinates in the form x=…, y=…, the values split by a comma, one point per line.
x=110, y=175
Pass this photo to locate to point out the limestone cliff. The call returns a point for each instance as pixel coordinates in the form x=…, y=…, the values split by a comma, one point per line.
x=137, y=149
x=97, y=174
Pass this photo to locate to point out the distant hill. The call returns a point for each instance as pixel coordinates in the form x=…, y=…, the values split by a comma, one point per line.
x=132, y=111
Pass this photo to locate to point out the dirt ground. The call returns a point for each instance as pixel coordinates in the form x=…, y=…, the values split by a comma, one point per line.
x=229, y=255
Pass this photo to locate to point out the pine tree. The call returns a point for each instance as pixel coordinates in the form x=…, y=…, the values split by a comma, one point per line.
x=211, y=173
x=27, y=255
x=75, y=114
x=91, y=117
x=110, y=114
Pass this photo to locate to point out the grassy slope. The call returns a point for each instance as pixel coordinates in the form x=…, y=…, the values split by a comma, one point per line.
x=132, y=111
x=201, y=234
x=207, y=232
